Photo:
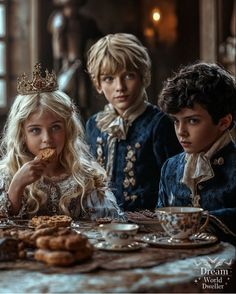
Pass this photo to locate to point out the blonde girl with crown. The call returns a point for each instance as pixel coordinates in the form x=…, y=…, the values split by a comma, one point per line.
x=73, y=183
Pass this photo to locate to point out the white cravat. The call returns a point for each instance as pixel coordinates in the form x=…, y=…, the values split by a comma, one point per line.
x=198, y=166
x=117, y=126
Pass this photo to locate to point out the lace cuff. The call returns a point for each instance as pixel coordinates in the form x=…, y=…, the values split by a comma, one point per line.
x=6, y=206
x=106, y=207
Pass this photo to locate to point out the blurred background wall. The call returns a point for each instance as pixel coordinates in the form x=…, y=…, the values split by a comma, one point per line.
x=58, y=33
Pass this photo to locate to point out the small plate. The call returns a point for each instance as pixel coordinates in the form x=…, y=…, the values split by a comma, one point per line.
x=162, y=240
x=130, y=247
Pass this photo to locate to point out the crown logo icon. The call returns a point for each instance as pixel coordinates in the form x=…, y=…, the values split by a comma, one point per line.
x=38, y=84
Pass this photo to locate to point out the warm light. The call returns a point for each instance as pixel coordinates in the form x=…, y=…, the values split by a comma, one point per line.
x=156, y=15
x=149, y=33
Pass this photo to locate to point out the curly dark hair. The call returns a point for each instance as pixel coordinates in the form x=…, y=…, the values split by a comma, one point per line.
x=207, y=84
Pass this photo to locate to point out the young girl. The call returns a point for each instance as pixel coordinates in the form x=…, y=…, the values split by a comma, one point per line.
x=201, y=99
x=131, y=138
x=73, y=183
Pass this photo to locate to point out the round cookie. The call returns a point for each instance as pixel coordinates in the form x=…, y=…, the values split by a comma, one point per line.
x=51, y=221
x=47, y=154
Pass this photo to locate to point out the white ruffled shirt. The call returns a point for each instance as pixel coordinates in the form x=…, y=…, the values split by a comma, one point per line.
x=198, y=166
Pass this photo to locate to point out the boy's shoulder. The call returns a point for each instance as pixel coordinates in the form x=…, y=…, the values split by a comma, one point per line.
x=180, y=157
x=175, y=161
x=154, y=113
x=152, y=108
x=91, y=120
x=93, y=117
x=228, y=151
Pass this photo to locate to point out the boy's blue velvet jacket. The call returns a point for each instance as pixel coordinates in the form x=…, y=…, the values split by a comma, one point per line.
x=150, y=141
x=217, y=195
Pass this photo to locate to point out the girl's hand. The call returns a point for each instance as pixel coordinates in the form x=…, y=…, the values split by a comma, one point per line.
x=26, y=175
x=29, y=173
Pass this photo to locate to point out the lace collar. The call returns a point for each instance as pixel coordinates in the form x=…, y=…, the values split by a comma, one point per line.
x=56, y=179
x=117, y=126
x=198, y=166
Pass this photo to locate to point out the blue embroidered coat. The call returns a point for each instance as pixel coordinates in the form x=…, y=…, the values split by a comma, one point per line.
x=217, y=195
x=138, y=159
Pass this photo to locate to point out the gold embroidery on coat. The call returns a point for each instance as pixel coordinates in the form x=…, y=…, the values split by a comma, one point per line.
x=130, y=179
x=219, y=161
x=99, y=151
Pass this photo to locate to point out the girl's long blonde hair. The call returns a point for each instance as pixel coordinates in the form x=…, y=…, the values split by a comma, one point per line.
x=75, y=157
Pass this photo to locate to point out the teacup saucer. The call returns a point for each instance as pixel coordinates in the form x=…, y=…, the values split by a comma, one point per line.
x=129, y=247
x=162, y=240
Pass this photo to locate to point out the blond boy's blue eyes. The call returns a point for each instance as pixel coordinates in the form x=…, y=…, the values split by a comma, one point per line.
x=110, y=78
x=107, y=79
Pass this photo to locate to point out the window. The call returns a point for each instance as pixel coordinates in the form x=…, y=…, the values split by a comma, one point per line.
x=3, y=52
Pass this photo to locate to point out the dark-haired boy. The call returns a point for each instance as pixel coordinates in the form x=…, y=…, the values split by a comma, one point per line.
x=201, y=100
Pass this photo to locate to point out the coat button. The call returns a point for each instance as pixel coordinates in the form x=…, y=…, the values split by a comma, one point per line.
x=200, y=187
x=220, y=161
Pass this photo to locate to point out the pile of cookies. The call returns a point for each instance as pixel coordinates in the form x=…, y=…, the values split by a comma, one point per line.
x=50, y=240
x=62, y=248
x=56, y=244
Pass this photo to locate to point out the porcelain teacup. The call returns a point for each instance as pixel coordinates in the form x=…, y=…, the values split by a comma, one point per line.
x=118, y=234
x=180, y=223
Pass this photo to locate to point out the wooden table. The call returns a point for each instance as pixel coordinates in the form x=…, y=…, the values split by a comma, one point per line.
x=191, y=274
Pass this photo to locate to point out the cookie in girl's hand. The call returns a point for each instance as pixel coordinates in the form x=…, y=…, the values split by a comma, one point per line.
x=47, y=154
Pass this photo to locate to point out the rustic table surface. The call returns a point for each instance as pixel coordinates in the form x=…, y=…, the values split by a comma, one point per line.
x=150, y=269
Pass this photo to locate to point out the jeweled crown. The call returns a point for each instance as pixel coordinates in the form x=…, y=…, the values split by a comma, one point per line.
x=38, y=84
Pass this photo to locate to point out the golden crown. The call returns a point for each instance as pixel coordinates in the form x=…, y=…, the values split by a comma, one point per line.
x=38, y=84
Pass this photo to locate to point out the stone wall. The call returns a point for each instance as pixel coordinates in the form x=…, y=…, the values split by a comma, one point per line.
x=30, y=40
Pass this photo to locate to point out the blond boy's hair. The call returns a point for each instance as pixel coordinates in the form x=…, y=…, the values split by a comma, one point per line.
x=115, y=52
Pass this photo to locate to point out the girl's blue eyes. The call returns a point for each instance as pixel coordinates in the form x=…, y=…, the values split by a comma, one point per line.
x=34, y=130
x=56, y=127
x=38, y=130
